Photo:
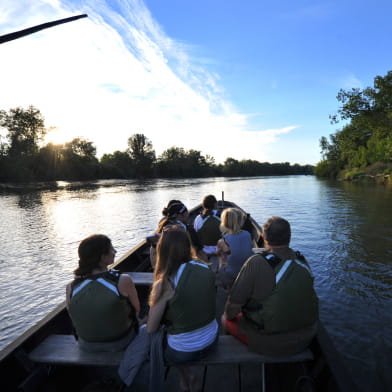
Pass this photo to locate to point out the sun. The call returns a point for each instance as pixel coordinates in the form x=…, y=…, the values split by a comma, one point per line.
x=56, y=136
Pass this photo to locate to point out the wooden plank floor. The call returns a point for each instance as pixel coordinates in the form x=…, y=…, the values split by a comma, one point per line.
x=219, y=378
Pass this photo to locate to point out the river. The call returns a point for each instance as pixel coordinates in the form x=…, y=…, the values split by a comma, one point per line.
x=344, y=230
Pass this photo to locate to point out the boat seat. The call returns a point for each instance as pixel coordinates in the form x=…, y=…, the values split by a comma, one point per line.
x=64, y=350
x=142, y=278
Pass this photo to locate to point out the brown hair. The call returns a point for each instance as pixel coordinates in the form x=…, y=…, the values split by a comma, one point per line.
x=90, y=251
x=171, y=212
x=277, y=231
x=174, y=248
x=209, y=204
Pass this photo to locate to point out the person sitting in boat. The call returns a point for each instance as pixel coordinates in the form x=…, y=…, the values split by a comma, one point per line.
x=176, y=214
x=207, y=225
x=103, y=304
x=234, y=248
x=183, y=299
x=272, y=305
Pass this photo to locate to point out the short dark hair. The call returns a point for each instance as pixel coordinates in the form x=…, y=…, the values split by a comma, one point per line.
x=277, y=231
x=90, y=251
x=209, y=203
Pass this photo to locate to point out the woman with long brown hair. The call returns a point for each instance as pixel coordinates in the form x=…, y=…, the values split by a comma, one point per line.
x=183, y=299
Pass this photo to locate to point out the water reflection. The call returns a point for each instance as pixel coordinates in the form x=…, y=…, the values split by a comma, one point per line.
x=29, y=200
x=344, y=230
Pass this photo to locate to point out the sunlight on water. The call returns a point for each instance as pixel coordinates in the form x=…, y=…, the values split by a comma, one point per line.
x=344, y=230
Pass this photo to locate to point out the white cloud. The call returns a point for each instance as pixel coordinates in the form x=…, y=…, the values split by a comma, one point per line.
x=90, y=81
x=351, y=81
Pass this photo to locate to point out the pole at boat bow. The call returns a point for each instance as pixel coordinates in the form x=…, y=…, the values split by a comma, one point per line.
x=34, y=29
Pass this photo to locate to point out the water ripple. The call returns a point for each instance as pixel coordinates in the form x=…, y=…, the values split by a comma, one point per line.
x=343, y=230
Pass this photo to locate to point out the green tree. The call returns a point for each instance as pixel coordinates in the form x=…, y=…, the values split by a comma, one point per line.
x=141, y=151
x=365, y=139
x=117, y=165
x=26, y=128
x=47, y=161
x=231, y=167
x=78, y=160
x=171, y=162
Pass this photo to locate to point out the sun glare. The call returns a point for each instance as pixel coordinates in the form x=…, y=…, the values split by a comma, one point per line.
x=56, y=136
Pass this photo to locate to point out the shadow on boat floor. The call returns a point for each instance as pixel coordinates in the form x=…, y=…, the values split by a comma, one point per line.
x=229, y=378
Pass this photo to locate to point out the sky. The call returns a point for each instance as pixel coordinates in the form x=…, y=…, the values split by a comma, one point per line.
x=250, y=79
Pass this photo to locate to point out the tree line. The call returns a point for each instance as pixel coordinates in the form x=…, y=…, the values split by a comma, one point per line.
x=365, y=141
x=23, y=158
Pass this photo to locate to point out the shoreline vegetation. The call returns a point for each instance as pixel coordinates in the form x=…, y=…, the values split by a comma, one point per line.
x=362, y=150
x=24, y=159
x=378, y=173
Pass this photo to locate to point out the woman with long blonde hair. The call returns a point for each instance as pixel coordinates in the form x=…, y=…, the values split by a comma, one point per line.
x=234, y=248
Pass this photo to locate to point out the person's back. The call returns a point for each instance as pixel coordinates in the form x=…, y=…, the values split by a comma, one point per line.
x=98, y=310
x=207, y=225
x=192, y=306
x=183, y=299
x=234, y=248
x=293, y=303
x=103, y=304
x=274, y=291
x=240, y=245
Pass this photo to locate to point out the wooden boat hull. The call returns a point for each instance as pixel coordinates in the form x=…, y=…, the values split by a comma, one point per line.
x=325, y=373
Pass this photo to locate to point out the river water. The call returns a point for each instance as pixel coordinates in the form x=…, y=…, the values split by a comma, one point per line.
x=344, y=230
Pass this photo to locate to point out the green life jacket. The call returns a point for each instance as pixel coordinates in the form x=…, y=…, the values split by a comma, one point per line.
x=293, y=303
x=209, y=233
x=98, y=311
x=193, y=303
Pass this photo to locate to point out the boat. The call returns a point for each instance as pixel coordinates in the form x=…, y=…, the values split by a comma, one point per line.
x=326, y=372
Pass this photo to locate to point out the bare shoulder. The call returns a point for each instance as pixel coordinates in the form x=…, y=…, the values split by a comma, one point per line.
x=125, y=279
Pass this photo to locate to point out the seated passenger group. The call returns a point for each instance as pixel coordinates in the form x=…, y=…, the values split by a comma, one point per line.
x=271, y=306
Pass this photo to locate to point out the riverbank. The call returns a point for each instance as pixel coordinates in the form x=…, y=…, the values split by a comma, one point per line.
x=379, y=179
x=378, y=173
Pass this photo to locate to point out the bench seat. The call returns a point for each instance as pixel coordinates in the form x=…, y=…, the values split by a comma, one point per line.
x=64, y=350
x=142, y=278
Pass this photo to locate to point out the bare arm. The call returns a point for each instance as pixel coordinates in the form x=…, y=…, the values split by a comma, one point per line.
x=128, y=289
x=158, y=309
x=222, y=250
x=68, y=295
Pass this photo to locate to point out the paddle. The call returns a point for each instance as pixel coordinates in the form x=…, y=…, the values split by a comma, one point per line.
x=34, y=29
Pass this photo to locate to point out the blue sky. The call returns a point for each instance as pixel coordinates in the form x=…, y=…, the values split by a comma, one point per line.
x=251, y=79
